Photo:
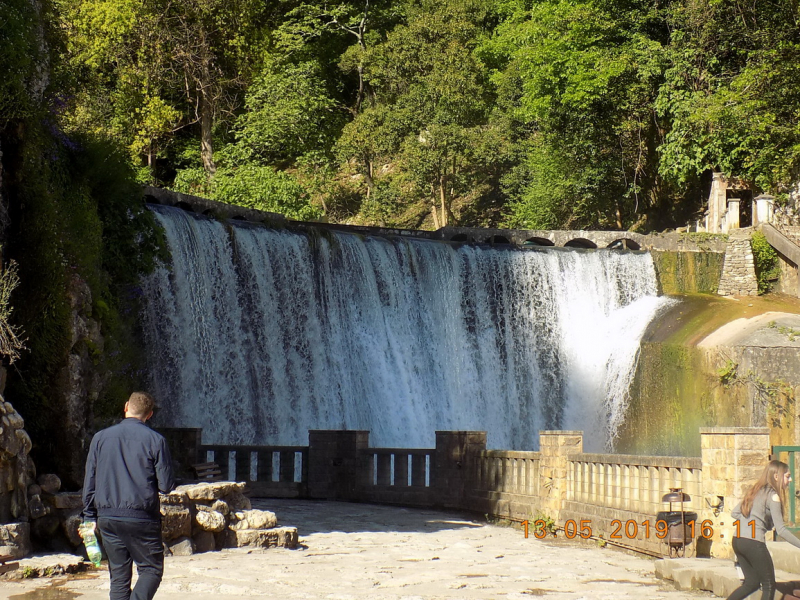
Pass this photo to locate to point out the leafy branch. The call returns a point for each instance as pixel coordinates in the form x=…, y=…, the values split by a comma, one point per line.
x=11, y=344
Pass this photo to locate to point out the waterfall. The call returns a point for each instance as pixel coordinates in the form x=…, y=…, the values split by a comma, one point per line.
x=257, y=335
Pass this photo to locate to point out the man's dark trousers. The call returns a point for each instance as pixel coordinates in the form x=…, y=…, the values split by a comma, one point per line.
x=132, y=541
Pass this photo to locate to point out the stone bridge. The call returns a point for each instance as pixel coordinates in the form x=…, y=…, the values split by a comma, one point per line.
x=621, y=240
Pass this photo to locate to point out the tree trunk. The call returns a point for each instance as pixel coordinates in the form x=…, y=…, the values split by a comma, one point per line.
x=443, y=200
x=206, y=124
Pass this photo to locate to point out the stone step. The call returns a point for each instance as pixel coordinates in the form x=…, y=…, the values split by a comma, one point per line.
x=719, y=576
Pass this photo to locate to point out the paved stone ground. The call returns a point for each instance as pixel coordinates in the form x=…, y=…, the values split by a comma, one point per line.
x=366, y=552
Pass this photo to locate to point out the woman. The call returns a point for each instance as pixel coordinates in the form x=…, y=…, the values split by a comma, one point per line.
x=759, y=512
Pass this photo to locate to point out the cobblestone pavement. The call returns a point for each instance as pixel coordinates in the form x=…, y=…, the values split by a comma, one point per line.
x=366, y=552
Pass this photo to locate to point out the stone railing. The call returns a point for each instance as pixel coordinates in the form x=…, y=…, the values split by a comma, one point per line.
x=504, y=483
x=618, y=496
x=611, y=497
x=270, y=471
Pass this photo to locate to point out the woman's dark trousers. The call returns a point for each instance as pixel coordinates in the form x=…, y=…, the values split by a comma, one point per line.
x=129, y=542
x=756, y=563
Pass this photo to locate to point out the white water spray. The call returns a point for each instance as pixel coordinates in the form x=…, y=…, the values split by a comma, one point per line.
x=258, y=335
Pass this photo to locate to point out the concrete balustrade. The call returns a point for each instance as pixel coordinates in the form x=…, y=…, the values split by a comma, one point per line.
x=610, y=496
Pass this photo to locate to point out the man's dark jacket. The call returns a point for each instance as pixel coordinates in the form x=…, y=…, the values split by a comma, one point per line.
x=128, y=464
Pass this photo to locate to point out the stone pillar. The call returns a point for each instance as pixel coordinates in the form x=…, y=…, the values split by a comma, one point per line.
x=732, y=459
x=763, y=209
x=184, y=446
x=335, y=464
x=452, y=462
x=732, y=215
x=554, y=449
x=716, y=203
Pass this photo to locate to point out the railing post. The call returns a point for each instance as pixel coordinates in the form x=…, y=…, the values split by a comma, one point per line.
x=555, y=448
x=732, y=459
x=334, y=463
x=242, y=470
x=451, y=465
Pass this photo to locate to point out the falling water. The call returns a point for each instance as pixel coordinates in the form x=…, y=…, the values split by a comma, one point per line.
x=257, y=335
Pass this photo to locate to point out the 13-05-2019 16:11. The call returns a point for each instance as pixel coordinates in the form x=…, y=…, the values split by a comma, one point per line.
x=619, y=530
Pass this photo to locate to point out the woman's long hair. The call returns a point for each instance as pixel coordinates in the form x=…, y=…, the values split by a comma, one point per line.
x=771, y=479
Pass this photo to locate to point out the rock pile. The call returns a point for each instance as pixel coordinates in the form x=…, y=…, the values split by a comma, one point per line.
x=17, y=474
x=210, y=516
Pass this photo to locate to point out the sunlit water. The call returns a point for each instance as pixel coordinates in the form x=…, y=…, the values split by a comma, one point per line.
x=258, y=335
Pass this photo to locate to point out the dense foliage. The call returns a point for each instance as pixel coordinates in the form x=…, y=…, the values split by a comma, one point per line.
x=73, y=223
x=422, y=113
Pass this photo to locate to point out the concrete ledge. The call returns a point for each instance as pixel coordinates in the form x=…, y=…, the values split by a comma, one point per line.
x=715, y=575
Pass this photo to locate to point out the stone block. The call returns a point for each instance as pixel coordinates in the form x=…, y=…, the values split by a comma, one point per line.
x=181, y=547
x=67, y=500
x=285, y=537
x=174, y=497
x=752, y=458
x=15, y=540
x=204, y=541
x=49, y=482
x=211, y=490
x=253, y=519
x=210, y=521
x=176, y=521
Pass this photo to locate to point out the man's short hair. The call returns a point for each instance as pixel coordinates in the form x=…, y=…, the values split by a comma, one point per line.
x=141, y=404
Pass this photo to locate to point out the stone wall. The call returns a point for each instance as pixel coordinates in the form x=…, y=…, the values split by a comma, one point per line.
x=738, y=270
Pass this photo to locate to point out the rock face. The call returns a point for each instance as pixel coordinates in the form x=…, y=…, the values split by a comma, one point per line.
x=219, y=516
x=82, y=384
x=20, y=497
x=16, y=468
x=15, y=539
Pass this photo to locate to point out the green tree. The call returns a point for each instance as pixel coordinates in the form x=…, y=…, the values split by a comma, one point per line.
x=577, y=81
x=428, y=116
x=731, y=92
x=154, y=67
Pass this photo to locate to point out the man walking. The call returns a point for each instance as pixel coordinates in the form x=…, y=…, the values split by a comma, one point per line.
x=128, y=465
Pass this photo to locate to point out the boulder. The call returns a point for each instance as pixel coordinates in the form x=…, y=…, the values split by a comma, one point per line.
x=204, y=541
x=181, y=547
x=70, y=526
x=211, y=490
x=174, y=497
x=45, y=527
x=15, y=539
x=285, y=537
x=36, y=508
x=238, y=501
x=176, y=521
x=221, y=507
x=49, y=482
x=253, y=519
x=210, y=521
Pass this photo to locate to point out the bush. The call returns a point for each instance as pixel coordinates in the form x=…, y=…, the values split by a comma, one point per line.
x=766, y=262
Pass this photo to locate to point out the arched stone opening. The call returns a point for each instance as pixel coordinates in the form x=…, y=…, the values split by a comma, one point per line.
x=624, y=244
x=498, y=239
x=459, y=237
x=538, y=241
x=185, y=206
x=580, y=243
